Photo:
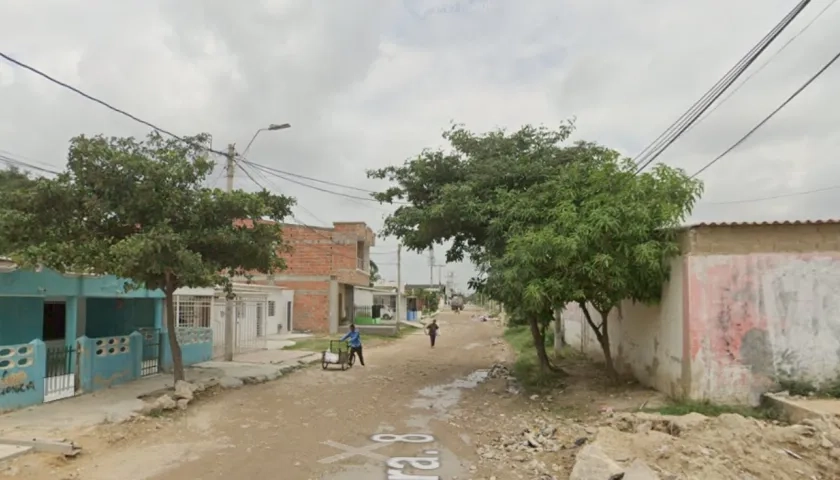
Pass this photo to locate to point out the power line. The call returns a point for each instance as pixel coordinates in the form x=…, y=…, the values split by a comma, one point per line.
x=13, y=162
x=332, y=192
x=309, y=227
x=763, y=65
x=281, y=172
x=771, y=115
x=678, y=128
x=169, y=133
x=774, y=197
x=101, y=102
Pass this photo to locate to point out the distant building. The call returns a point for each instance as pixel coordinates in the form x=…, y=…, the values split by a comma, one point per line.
x=325, y=267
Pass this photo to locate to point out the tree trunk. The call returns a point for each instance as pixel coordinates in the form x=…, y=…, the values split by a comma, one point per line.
x=559, y=331
x=539, y=344
x=603, y=335
x=174, y=346
x=605, y=346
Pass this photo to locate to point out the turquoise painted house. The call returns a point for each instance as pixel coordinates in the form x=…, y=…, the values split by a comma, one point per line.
x=63, y=334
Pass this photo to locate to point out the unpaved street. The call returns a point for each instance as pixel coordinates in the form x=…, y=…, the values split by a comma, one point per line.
x=320, y=425
x=305, y=426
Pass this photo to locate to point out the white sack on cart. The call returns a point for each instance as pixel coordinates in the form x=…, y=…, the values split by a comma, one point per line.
x=331, y=357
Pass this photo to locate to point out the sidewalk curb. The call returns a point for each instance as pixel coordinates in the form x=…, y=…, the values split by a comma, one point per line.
x=184, y=392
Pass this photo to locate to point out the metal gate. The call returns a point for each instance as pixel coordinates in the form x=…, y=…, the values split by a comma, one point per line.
x=151, y=351
x=61, y=373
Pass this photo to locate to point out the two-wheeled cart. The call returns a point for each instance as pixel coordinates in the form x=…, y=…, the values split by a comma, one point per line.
x=339, y=353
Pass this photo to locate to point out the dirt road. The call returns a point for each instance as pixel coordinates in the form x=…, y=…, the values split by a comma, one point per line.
x=313, y=424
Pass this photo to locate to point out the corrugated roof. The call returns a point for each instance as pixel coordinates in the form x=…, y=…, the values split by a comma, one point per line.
x=829, y=221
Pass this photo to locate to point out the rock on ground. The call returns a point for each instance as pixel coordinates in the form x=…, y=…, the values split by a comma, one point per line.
x=592, y=463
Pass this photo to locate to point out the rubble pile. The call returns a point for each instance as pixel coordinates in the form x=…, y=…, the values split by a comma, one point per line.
x=642, y=446
x=180, y=398
x=499, y=370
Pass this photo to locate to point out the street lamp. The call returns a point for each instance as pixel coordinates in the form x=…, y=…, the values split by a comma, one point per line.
x=269, y=128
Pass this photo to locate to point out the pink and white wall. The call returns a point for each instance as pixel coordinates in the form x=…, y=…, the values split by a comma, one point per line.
x=746, y=306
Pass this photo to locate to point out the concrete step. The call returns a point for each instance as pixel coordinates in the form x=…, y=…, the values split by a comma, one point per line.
x=8, y=452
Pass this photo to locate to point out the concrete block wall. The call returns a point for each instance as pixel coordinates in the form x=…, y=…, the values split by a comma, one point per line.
x=646, y=341
x=22, y=370
x=196, y=346
x=747, y=305
x=109, y=361
x=759, y=318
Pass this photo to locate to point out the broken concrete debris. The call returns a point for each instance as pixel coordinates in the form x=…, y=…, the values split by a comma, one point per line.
x=185, y=392
x=646, y=446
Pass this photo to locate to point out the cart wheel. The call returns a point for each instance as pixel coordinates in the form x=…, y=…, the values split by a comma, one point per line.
x=324, y=365
x=344, y=366
x=352, y=360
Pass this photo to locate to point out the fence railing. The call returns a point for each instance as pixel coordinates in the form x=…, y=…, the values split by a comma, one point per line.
x=361, y=264
x=194, y=310
x=60, y=373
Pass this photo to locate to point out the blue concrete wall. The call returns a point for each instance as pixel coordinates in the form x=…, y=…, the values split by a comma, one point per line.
x=52, y=284
x=108, y=317
x=21, y=319
x=109, y=361
x=196, y=346
x=22, y=375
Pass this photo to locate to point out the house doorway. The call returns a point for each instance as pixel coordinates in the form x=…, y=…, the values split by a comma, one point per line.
x=60, y=376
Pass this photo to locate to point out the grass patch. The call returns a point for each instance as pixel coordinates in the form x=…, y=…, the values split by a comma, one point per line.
x=806, y=389
x=319, y=343
x=526, y=369
x=710, y=409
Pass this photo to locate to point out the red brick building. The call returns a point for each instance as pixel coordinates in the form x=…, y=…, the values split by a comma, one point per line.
x=323, y=267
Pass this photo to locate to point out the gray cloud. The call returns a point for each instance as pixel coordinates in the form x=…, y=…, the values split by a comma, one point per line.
x=370, y=83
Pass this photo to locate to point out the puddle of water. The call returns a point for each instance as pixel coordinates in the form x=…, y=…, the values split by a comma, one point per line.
x=441, y=398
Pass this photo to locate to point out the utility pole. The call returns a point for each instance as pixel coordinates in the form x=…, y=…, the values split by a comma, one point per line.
x=431, y=266
x=399, y=313
x=230, y=329
x=230, y=166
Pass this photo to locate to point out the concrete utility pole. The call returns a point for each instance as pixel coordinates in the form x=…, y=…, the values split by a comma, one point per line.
x=230, y=329
x=230, y=165
x=431, y=266
x=399, y=313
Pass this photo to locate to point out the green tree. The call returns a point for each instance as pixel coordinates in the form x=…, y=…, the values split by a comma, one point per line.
x=455, y=195
x=595, y=236
x=546, y=223
x=12, y=179
x=374, y=273
x=452, y=195
x=139, y=210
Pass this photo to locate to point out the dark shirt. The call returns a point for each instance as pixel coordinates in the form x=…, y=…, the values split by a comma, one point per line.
x=433, y=328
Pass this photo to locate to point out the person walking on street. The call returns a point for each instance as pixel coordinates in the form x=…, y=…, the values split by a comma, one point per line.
x=433, y=328
x=355, y=343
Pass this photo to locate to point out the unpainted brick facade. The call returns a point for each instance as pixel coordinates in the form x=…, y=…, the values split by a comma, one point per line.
x=321, y=258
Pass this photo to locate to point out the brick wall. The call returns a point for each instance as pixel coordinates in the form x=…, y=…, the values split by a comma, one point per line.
x=328, y=251
x=311, y=305
x=319, y=252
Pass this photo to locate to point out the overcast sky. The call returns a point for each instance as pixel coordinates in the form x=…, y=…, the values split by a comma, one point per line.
x=368, y=83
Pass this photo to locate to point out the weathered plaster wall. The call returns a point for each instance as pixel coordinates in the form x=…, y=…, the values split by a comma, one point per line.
x=646, y=340
x=756, y=317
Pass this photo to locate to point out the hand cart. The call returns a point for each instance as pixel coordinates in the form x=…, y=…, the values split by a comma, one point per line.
x=338, y=354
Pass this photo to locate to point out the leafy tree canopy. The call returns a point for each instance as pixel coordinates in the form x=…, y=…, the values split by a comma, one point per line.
x=546, y=223
x=140, y=210
x=452, y=195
